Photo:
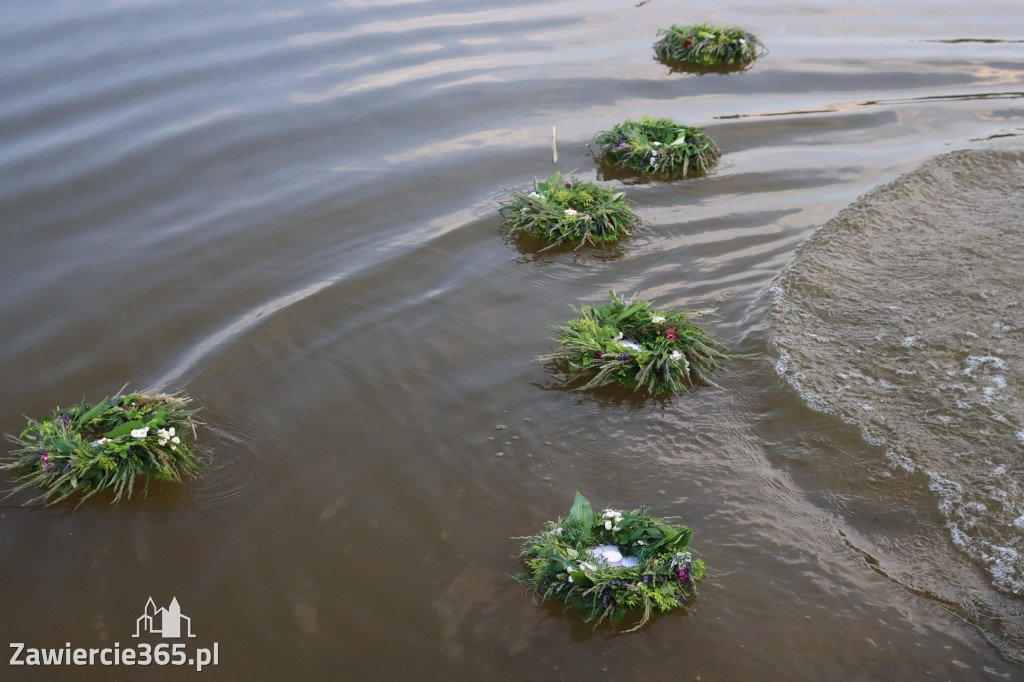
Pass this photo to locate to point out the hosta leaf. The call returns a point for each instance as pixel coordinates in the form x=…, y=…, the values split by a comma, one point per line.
x=581, y=514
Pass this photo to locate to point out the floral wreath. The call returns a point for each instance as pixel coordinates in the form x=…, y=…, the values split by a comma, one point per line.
x=658, y=146
x=628, y=343
x=569, y=210
x=612, y=564
x=707, y=45
x=89, y=448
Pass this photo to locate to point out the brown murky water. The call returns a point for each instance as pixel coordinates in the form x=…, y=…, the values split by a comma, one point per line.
x=288, y=210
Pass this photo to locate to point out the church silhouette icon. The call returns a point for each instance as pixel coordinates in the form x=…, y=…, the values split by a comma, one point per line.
x=165, y=622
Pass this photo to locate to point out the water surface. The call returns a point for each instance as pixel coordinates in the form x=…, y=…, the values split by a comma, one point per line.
x=288, y=210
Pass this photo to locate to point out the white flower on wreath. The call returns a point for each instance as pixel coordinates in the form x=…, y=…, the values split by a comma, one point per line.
x=612, y=519
x=140, y=433
x=571, y=211
x=101, y=441
x=657, y=319
x=676, y=356
x=654, y=152
x=656, y=143
x=533, y=195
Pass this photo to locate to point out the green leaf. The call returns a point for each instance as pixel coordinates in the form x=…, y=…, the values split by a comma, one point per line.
x=676, y=539
x=581, y=514
x=158, y=419
x=629, y=310
x=684, y=539
x=581, y=579
x=123, y=429
x=94, y=412
x=618, y=615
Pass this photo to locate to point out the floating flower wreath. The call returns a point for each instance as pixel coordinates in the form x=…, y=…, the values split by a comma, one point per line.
x=709, y=45
x=628, y=343
x=658, y=146
x=569, y=210
x=89, y=448
x=612, y=564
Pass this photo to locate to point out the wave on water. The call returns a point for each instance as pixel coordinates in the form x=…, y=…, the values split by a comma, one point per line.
x=904, y=315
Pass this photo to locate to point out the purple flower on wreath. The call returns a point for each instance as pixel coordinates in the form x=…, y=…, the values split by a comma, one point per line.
x=621, y=145
x=622, y=356
x=598, y=356
x=671, y=335
x=643, y=507
x=568, y=185
x=65, y=469
x=44, y=460
x=65, y=419
x=683, y=574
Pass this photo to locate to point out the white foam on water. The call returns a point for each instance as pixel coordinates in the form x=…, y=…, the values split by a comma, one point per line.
x=973, y=362
x=902, y=462
x=927, y=387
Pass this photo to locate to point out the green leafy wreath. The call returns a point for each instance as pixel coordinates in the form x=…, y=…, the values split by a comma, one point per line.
x=612, y=564
x=658, y=146
x=627, y=342
x=569, y=210
x=709, y=45
x=88, y=448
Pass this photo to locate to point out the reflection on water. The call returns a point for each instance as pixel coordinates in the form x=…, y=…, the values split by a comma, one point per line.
x=290, y=212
